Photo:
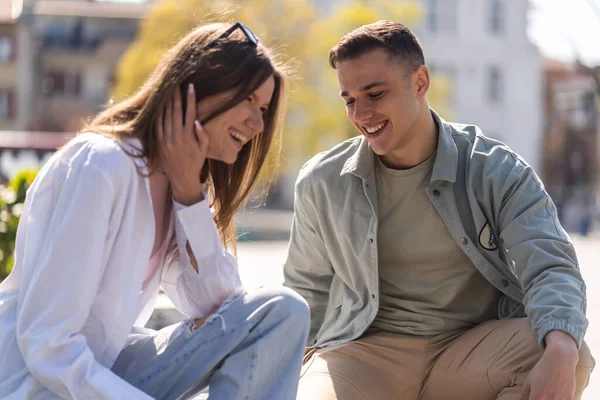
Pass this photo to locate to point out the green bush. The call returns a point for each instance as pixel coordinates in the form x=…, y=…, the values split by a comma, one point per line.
x=12, y=198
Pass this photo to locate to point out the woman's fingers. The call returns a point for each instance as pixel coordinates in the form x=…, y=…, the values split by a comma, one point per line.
x=175, y=126
x=190, y=111
x=177, y=116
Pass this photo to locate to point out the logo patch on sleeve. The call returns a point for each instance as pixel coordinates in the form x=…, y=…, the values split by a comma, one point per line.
x=487, y=239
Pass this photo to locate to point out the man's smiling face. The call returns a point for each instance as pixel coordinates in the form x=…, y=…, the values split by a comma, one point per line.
x=383, y=100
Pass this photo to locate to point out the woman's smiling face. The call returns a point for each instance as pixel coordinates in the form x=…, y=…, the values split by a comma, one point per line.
x=232, y=129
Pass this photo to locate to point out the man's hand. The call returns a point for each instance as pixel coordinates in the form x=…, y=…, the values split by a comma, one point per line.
x=184, y=145
x=553, y=377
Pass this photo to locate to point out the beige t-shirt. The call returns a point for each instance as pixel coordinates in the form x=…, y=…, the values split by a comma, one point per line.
x=428, y=285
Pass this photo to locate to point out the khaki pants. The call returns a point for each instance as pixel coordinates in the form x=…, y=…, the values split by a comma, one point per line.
x=490, y=361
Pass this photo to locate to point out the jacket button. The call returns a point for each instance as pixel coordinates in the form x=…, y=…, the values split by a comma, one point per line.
x=370, y=240
x=373, y=296
x=464, y=241
x=504, y=283
x=436, y=193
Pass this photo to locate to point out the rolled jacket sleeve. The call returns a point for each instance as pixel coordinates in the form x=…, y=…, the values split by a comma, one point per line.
x=543, y=258
x=198, y=294
x=67, y=225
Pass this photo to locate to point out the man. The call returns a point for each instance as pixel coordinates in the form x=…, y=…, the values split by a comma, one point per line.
x=430, y=255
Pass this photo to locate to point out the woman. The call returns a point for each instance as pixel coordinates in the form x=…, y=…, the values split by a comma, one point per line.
x=121, y=210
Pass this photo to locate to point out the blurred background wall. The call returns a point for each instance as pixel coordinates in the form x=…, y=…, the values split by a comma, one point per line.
x=521, y=70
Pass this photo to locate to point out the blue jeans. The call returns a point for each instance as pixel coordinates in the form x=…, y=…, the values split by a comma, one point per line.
x=251, y=348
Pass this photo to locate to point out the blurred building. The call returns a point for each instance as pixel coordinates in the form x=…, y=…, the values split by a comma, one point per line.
x=9, y=35
x=62, y=54
x=482, y=47
x=57, y=59
x=571, y=141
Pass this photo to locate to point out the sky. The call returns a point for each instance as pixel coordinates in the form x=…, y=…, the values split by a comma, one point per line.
x=563, y=29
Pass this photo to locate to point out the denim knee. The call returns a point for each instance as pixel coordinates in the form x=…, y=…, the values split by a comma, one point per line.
x=288, y=305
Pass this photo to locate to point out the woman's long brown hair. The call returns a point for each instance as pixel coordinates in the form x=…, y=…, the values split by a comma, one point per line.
x=231, y=64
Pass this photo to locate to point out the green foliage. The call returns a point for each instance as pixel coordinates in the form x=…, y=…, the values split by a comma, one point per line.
x=12, y=198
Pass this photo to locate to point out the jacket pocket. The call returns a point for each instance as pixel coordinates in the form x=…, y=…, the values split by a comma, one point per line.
x=508, y=308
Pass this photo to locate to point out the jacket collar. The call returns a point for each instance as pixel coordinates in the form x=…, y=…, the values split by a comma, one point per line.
x=446, y=159
x=362, y=161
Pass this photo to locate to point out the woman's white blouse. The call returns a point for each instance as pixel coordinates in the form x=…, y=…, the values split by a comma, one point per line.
x=83, y=246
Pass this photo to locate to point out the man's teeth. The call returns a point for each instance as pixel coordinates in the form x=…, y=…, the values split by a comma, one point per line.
x=376, y=128
x=238, y=136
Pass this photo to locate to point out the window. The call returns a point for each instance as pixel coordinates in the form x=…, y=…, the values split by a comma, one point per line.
x=6, y=104
x=497, y=17
x=6, y=48
x=432, y=15
x=61, y=83
x=441, y=16
x=494, y=85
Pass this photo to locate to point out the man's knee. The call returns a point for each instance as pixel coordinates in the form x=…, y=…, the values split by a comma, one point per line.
x=521, y=352
x=586, y=360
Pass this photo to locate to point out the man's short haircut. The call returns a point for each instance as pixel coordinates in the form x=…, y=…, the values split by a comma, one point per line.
x=390, y=36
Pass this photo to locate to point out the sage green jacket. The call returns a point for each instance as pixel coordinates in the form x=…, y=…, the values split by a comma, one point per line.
x=493, y=204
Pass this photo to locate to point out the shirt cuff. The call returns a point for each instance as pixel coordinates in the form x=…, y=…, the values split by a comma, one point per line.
x=199, y=227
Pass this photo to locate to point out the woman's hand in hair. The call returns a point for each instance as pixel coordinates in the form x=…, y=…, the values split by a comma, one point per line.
x=184, y=145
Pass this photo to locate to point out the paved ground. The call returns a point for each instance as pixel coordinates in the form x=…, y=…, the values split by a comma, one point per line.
x=260, y=264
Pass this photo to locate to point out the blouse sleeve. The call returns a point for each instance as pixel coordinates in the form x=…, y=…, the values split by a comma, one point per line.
x=67, y=225
x=198, y=294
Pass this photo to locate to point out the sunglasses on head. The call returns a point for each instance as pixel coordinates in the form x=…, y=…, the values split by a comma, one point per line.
x=252, y=38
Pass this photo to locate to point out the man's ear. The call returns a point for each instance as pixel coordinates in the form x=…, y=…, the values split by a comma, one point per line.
x=422, y=81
